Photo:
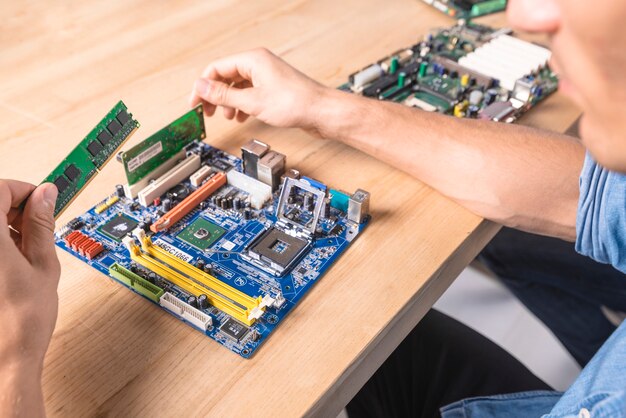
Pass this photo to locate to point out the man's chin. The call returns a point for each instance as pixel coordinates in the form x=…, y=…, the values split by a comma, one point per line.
x=601, y=147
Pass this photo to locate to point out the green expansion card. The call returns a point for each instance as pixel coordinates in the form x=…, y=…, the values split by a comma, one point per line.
x=467, y=9
x=145, y=157
x=91, y=154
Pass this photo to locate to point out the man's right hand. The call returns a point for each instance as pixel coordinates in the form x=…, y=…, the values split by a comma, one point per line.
x=260, y=84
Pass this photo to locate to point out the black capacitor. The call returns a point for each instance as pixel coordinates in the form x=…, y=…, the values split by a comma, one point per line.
x=191, y=300
x=247, y=213
x=133, y=268
x=119, y=190
x=152, y=277
x=472, y=111
x=203, y=302
x=236, y=203
x=229, y=203
x=166, y=205
x=202, y=205
x=200, y=264
x=223, y=203
x=326, y=208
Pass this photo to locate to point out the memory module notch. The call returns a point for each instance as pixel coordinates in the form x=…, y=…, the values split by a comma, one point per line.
x=91, y=154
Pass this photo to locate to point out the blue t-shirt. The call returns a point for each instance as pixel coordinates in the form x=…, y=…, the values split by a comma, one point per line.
x=600, y=389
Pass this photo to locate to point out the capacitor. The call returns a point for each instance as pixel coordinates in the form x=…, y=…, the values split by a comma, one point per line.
x=247, y=213
x=393, y=67
x=454, y=74
x=326, y=207
x=200, y=264
x=490, y=96
x=465, y=80
x=401, y=79
x=458, y=110
x=119, y=190
x=166, y=205
x=475, y=97
x=152, y=277
x=423, y=69
x=229, y=203
x=472, y=111
x=203, y=302
x=191, y=300
x=236, y=203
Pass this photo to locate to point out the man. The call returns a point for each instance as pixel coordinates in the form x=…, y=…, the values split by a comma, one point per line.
x=521, y=177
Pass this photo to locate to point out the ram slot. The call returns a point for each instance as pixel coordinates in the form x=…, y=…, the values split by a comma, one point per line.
x=189, y=203
x=239, y=312
x=200, y=276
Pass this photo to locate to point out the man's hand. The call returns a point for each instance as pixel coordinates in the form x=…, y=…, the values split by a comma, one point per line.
x=29, y=275
x=260, y=84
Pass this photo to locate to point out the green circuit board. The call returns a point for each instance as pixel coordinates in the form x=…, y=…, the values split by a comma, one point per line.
x=91, y=154
x=467, y=9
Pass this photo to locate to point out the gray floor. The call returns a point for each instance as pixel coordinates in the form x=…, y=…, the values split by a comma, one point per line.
x=485, y=305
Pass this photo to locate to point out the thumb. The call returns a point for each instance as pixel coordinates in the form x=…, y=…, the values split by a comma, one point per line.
x=222, y=94
x=38, y=227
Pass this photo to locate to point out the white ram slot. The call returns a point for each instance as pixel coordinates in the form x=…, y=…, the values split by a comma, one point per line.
x=259, y=192
x=131, y=190
x=199, y=176
x=168, y=180
x=187, y=312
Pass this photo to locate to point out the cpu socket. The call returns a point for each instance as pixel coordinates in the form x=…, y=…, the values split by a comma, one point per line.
x=277, y=250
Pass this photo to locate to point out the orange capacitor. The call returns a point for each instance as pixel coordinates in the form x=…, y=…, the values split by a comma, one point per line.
x=189, y=203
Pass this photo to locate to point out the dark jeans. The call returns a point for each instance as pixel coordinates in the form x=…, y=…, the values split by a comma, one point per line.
x=441, y=361
x=564, y=289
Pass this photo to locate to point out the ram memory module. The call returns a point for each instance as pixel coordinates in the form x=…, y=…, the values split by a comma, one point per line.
x=91, y=154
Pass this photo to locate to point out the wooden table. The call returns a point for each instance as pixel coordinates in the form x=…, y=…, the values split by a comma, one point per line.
x=64, y=64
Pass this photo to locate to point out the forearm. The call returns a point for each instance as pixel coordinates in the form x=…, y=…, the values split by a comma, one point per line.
x=518, y=176
x=20, y=390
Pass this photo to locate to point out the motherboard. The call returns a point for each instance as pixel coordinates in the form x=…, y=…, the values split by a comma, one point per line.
x=467, y=9
x=468, y=71
x=228, y=245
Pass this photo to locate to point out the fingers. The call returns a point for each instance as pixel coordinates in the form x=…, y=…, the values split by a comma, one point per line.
x=217, y=93
x=12, y=194
x=38, y=228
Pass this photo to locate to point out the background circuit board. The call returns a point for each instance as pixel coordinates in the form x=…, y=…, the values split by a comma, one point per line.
x=467, y=70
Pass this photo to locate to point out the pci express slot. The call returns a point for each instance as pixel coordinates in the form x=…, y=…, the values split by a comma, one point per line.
x=196, y=282
x=136, y=282
x=189, y=203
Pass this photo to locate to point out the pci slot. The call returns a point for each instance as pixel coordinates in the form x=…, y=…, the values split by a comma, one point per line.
x=136, y=282
x=189, y=203
x=233, y=302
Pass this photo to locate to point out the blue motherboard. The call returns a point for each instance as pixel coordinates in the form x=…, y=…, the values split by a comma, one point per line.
x=239, y=260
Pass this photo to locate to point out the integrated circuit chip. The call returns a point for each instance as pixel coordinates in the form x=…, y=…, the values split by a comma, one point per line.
x=118, y=227
x=104, y=137
x=234, y=329
x=71, y=172
x=94, y=148
x=201, y=234
x=61, y=184
x=123, y=117
x=114, y=126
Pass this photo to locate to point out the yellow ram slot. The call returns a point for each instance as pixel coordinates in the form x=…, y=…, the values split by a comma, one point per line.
x=237, y=312
x=200, y=276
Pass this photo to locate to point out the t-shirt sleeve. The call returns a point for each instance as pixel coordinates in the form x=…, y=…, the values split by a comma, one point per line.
x=601, y=218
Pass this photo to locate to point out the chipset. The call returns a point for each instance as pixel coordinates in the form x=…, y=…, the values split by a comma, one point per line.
x=118, y=227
